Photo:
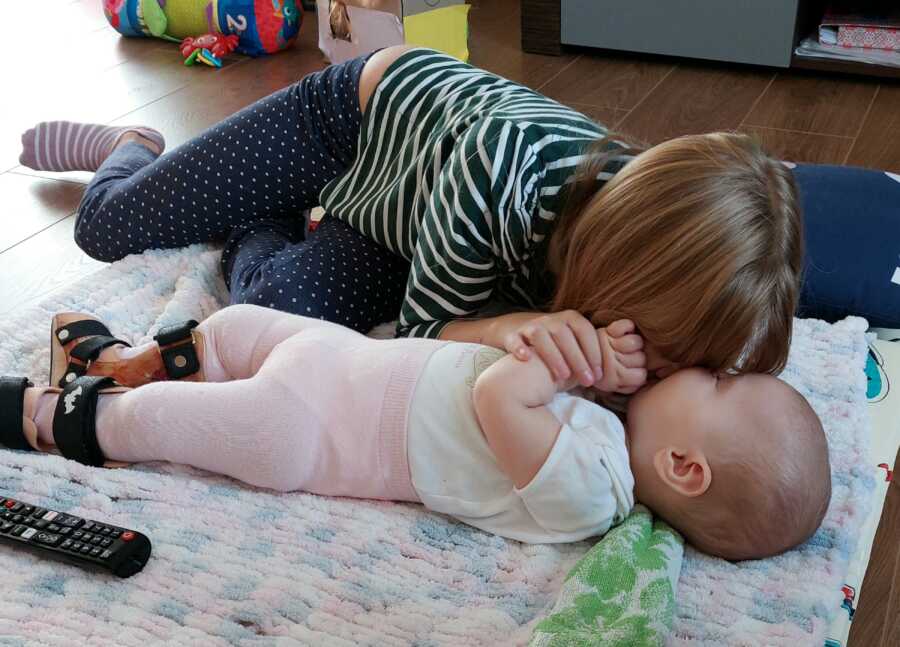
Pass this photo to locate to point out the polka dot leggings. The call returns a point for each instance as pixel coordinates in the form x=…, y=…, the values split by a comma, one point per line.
x=246, y=181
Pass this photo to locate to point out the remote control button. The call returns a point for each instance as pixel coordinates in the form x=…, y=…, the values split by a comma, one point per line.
x=65, y=530
x=105, y=554
x=40, y=524
x=18, y=530
x=77, y=534
x=77, y=545
x=51, y=515
x=85, y=549
x=18, y=518
x=29, y=533
x=87, y=536
x=38, y=512
x=28, y=509
x=87, y=525
x=127, y=535
x=70, y=521
x=53, y=528
x=47, y=538
x=12, y=505
x=106, y=530
x=6, y=514
x=96, y=551
x=96, y=539
x=66, y=545
x=7, y=526
x=106, y=542
x=115, y=534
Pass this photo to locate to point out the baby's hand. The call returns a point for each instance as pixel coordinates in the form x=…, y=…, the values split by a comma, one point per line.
x=624, y=362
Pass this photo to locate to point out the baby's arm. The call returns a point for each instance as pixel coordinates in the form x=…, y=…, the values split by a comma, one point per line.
x=510, y=398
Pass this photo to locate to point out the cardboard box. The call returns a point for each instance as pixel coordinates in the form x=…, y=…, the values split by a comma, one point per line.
x=351, y=28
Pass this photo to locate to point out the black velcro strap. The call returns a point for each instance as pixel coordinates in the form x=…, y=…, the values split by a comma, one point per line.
x=12, y=408
x=90, y=349
x=176, y=345
x=82, y=328
x=74, y=420
x=176, y=333
x=73, y=370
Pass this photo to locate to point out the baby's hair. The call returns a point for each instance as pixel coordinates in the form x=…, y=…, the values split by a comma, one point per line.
x=771, y=484
x=698, y=240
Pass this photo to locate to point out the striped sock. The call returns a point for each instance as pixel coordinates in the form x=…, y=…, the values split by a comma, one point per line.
x=71, y=146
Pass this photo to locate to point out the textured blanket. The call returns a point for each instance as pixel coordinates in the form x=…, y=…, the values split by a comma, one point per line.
x=237, y=565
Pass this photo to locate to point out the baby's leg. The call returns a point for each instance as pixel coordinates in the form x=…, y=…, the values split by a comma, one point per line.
x=247, y=429
x=216, y=427
x=232, y=345
x=239, y=338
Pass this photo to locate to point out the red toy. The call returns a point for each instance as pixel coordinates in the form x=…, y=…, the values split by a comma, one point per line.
x=219, y=44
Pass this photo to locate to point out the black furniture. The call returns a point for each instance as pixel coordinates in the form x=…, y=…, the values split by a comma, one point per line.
x=758, y=32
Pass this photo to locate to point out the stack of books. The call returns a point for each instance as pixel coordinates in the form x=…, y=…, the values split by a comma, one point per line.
x=857, y=32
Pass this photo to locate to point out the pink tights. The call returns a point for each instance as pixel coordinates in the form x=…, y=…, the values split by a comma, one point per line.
x=214, y=425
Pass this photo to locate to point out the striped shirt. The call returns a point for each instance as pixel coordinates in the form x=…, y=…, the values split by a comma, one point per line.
x=460, y=172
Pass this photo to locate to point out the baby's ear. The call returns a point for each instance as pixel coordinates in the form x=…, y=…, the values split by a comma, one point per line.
x=685, y=471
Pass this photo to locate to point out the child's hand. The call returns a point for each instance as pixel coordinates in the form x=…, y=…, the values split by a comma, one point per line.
x=624, y=361
x=566, y=342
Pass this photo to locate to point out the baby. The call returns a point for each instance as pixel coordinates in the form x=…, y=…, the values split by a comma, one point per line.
x=739, y=465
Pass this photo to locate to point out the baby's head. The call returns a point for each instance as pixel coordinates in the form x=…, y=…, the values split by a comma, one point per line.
x=737, y=464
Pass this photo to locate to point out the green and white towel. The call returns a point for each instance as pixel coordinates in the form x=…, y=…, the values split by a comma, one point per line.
x=622, y=592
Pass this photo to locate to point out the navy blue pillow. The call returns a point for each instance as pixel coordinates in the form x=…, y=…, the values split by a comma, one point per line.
x=852, y=222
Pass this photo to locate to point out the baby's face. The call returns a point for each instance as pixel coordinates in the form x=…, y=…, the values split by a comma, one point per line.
x=692, y=408
x=674, y=407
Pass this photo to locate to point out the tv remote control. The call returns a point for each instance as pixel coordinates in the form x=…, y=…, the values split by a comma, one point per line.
x=82, y=542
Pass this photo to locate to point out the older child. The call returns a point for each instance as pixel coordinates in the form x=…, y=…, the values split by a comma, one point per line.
x=482, y=185
x=447, y=187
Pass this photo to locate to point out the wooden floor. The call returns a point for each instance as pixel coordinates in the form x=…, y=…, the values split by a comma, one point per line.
x=87, y=72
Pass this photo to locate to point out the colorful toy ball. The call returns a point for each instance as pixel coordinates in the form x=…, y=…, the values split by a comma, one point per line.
x=260, y=26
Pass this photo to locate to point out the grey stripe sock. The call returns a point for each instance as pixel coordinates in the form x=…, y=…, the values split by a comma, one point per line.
x=73, y=146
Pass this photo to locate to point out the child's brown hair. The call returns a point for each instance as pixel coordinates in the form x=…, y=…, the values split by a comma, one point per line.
x=698, y=240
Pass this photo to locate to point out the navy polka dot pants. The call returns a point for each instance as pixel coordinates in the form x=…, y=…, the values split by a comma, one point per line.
x=246, y=181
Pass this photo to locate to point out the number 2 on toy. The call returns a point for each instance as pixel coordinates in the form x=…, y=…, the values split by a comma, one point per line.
x=238, y=25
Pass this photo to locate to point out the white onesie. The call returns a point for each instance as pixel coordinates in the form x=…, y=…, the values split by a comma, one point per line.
x=584, y=487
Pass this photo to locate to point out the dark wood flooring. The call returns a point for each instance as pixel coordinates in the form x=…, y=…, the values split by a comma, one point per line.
x=87, y=72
